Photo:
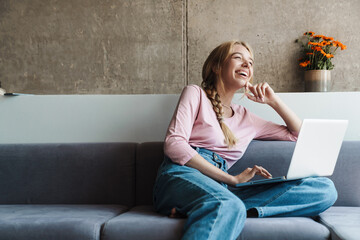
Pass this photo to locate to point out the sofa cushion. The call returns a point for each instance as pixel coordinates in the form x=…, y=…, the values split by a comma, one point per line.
x=142, y=222
x=62, y=222
x=71, y=173
x=291, y=228
x=343, y=222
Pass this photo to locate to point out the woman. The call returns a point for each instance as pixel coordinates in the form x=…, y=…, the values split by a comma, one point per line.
x=208, y=134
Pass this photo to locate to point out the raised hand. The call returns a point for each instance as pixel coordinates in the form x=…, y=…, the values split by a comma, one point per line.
x=261, y=93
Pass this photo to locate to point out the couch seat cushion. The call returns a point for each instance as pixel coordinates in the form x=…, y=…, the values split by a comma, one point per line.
x=63, y=222
x=343, y=222
x=291, y=228
x=142, y=222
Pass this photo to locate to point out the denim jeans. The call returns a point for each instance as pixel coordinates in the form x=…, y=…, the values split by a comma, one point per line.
x=215, y=212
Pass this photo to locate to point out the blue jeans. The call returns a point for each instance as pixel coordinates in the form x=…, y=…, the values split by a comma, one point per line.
x=215, y=212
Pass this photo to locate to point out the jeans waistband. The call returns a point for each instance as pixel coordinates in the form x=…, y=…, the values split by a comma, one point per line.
x=216, y=157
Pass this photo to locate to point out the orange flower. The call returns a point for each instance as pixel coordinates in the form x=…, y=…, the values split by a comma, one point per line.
x=309, y=53
x=319, y=49
x=323, y=53
x=336, y=43
x=342, y=46
x=318, y=36
x=314, y=44
x=304, y=64
x=328, y=38
x=325, y=43
x=329, y=55
x=339, y=44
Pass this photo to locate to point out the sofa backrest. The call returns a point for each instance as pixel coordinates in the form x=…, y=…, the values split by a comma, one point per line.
x=91, y=173
x=124, y=173
x=149, y=156
x=346, y=174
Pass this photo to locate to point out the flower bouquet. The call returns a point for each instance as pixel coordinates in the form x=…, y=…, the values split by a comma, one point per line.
x=318, y=51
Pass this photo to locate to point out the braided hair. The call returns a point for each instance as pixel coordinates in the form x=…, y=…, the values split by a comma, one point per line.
x=211, y=73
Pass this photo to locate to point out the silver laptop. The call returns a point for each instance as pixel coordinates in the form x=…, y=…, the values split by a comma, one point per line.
x=316, y=151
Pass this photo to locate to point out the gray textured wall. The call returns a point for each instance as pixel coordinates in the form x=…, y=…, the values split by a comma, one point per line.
x=158, y=46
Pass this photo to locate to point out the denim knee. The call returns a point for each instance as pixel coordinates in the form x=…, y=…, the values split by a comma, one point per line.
x=331, y=192
x=235, y=207
x=327, y=191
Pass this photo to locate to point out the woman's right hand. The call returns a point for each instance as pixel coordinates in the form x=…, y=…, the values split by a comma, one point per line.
x=249, y=173
x=206, y=168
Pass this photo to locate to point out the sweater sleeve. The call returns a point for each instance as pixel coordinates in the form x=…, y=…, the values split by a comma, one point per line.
x=267, y=130
x=176, y=145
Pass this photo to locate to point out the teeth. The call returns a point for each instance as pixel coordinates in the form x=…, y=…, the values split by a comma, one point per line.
x=242, y=73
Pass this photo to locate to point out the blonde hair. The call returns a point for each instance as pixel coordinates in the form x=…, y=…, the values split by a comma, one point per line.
x=211, y=73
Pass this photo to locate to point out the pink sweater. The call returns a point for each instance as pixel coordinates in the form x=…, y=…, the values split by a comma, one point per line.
x=194, y=123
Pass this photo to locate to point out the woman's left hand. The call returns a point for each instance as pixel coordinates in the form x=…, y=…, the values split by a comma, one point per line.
x=262, y=93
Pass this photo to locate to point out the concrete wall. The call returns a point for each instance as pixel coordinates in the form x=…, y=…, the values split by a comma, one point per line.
x=159, y=46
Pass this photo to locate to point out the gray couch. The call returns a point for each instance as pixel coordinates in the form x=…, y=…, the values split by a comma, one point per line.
x=104, y=191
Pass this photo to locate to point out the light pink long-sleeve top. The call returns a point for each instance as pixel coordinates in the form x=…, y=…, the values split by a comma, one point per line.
x=194, y=123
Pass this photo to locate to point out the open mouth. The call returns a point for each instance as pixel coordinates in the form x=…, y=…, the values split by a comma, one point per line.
x=242, y=73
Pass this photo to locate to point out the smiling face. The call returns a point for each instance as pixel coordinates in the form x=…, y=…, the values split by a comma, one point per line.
x=237, y=70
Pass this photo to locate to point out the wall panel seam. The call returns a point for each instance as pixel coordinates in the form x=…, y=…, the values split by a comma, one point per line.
x=185, y=42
